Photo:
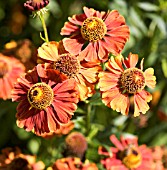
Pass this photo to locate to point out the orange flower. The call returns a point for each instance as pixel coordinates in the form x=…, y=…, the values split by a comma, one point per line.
x=157, y=154
x=68, y=163
x=12, y=158
x=100, y=33
x=122, y=80
x=72, y=163
x=10, y=70
x=84, y=73
x=127, y=154
x=24, y=51
x=45, y=103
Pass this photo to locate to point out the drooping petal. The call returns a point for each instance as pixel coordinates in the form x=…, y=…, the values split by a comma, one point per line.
x=140, y=103
x=52, y=120
x=102, y=51
x=90, y=72
x=89, y=53
x=69, y=28
x=89, y=12
x=116, y=142
x=77, y=19
x=131, y=61
x=150, y=79
x=115, y=65
x=107, y=81
x=74, y=45
x=114, y=19
x=115, y=100
x=120, y=103
x=49, y=51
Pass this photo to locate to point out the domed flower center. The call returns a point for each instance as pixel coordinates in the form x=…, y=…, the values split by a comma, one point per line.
x=3, y=69
x=132, y=80
x=132, y=158
x=93, y=29
x=19, y=163
x=40, y=95
x=67, y=64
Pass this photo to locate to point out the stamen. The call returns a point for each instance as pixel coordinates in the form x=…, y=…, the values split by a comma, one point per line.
x=132, y=80
x=40, y=95
x=67, y=64
x=93, y=29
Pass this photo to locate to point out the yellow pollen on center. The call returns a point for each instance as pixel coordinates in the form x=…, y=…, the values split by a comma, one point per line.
x=93, y=29
x=132, y=158
x=132, y=80
x=40, y=95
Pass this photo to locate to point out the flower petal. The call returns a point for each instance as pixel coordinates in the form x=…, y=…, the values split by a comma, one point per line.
x=115, y=65
x=140, y=102
x=49, y=51
x=74, y=44
x=107, y=81
x=131, y=61
x=89, y=12
x=149, y=78
x=116, y=142
x=89, y=53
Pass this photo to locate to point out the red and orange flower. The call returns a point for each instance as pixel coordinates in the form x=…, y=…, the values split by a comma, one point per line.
x=10, y=70
x=72, y=163
x=45, y=103
x=69, y=163
x=127, y=154
x=84, y=73
x=101, y=32
x=13, y=158
x=123, y=80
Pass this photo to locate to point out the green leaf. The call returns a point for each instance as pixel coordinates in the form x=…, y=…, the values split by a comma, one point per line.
x=148, y=6
x=137, y=22
x=164, y=66
x=33, y=146
x=159, y=22
x=160, y=139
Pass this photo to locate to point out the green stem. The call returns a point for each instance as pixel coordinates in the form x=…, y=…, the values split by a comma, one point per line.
x=89, y=107
x=44, y=27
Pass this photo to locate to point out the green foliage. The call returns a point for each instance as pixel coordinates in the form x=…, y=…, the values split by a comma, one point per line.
x=148, y=38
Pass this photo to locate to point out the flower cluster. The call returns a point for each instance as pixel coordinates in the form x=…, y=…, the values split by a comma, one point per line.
x=50, y=81
x=13, y=158
x=69, y=70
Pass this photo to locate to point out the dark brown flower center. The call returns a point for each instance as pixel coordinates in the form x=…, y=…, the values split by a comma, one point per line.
x=130, y=157
x=19, y=163
x=93, y=29
x=132, y=80
x=40, y=95
x=3, y=69
x=67, y=64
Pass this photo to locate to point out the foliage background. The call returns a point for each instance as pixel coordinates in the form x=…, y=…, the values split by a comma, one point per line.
x=147, y=20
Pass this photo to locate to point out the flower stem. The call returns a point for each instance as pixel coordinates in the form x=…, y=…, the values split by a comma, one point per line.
x=44, y=27
x=89, y=107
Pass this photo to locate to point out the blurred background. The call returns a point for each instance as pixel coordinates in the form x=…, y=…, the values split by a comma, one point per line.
x=147, y=20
